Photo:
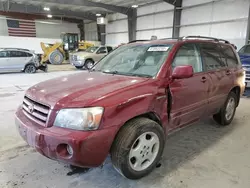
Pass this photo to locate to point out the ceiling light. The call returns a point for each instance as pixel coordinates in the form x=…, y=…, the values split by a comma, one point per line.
x=134, y=6
x=49, y=16
x=46, y=8
x=98, y=14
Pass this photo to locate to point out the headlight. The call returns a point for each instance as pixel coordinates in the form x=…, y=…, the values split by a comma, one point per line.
x=80, y=58
x=79, y=118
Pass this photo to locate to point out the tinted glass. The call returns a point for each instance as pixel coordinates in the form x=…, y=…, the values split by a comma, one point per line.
x=102, y=50
x=138, y=60
x=109, y=49
x=211, y=56
x=92, y=49
x=228, y=55
x=17, y=54
x=247, y=50
x=3, y=54
x=29, y=55
x=188, y=54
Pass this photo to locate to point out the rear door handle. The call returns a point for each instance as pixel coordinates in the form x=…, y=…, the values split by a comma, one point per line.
x=203, y=79
x=228, y=72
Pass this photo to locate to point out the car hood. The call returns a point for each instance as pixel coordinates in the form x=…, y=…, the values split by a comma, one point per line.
x=82, y=89
x=82, y=54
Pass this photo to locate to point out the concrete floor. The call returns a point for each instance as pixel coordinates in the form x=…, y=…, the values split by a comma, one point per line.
x=201, y=155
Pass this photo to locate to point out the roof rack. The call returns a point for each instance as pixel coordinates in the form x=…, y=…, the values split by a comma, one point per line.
x=170, y=38
x=137, y=41
x=203, y=37
x=15, y=49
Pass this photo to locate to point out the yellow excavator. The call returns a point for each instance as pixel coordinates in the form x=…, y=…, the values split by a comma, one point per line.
x=58, y=52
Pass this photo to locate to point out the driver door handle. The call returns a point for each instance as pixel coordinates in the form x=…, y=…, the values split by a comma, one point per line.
x=203, y=79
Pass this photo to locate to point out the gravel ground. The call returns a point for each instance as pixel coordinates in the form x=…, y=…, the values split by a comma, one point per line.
x=201, y=155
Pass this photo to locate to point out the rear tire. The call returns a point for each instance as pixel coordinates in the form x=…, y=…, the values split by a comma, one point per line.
x=227, y=112
x=30, y=69
x=56, y=57
x=138, y=148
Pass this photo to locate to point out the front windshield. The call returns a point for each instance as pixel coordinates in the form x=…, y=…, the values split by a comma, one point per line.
x=138, y=60
x=92, y=49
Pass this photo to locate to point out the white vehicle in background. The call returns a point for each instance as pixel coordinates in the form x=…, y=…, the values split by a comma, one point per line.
x=17, y=60
x=89, y=57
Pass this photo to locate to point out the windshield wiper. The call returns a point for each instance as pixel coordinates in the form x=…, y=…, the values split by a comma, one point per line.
x=139, y=75
x=110, y=72
x=127, y=74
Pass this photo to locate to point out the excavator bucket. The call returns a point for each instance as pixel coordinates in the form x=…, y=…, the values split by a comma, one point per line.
x=53, y=53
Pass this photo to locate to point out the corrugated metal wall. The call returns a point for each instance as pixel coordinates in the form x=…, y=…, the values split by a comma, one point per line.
x=91, y=31
x=116, y=29
x=154, y=19
x=225, y=19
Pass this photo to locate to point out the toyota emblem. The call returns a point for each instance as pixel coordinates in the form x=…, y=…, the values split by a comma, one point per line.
x=31, y=108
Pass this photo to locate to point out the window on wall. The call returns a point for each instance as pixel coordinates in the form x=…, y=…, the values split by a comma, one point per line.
x=211, y=56
x=188, y=54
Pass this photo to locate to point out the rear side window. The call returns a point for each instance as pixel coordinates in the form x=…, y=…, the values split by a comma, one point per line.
x=18, y=54
x=229, y=56
x=102, y=50
x=211, y=56
x=3, y=54
x=245, y=50
x=188, y=54
x=109, y=49
x=29, y=55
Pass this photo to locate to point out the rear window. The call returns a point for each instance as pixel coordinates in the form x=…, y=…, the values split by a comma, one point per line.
x=211, y=56
x=29, y=55
x=3, y=54
x=229, y=56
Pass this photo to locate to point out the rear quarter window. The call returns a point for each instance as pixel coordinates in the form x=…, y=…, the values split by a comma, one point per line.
x=211, y=56
x=229, y=56
x=3, y=54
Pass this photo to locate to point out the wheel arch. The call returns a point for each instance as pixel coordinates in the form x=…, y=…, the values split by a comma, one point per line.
x=236, y=90
x=89, y=58
x=30, y=63
x=150, y=115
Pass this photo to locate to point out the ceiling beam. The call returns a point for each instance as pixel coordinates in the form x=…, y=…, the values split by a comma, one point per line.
x=172, y=2
x=114, y=8
x=38, y=9
x=25, y=16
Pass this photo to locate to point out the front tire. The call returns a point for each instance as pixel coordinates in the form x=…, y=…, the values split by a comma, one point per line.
x=227, y=112
x=138, y=148
x=88, y=64
x=79, y=67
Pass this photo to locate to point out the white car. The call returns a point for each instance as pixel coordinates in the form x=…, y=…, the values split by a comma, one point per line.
x=17, y=60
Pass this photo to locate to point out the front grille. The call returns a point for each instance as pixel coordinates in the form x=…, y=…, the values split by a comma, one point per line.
x=35, y=111
x=73, y=57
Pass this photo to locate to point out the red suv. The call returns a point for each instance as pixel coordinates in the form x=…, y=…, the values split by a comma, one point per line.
x=129, y=101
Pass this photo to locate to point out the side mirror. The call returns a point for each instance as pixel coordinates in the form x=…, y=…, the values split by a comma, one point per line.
x=180, y=72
